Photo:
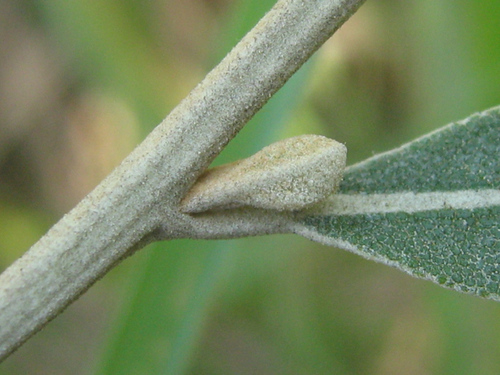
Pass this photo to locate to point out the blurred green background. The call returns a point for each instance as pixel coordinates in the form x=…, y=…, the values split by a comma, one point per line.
x=82, y=82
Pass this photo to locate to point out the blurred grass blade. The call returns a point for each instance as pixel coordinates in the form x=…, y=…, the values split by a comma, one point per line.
x=430, y=208
x=167, y=301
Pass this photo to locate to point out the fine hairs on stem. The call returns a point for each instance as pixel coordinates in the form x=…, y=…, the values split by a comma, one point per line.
x=140, y=200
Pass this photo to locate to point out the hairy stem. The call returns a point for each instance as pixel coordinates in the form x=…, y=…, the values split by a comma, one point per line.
x=142, y=195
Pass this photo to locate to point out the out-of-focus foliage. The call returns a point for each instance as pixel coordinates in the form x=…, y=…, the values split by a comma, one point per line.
x=82, y=82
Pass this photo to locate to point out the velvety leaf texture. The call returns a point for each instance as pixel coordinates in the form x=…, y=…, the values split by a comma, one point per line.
x=430, y=208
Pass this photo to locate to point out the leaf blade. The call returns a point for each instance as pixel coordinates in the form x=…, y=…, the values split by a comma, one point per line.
x=451, y=181
x=475, y=162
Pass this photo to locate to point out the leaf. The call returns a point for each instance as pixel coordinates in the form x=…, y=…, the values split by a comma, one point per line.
x=430, y=208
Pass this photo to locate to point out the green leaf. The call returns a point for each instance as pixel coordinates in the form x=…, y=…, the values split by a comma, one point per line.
x=430, y=208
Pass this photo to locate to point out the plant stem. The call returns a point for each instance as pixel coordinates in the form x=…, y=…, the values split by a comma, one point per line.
x=140, y=198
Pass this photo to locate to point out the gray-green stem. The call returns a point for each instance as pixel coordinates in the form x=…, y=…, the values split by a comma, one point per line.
x=142, y=195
